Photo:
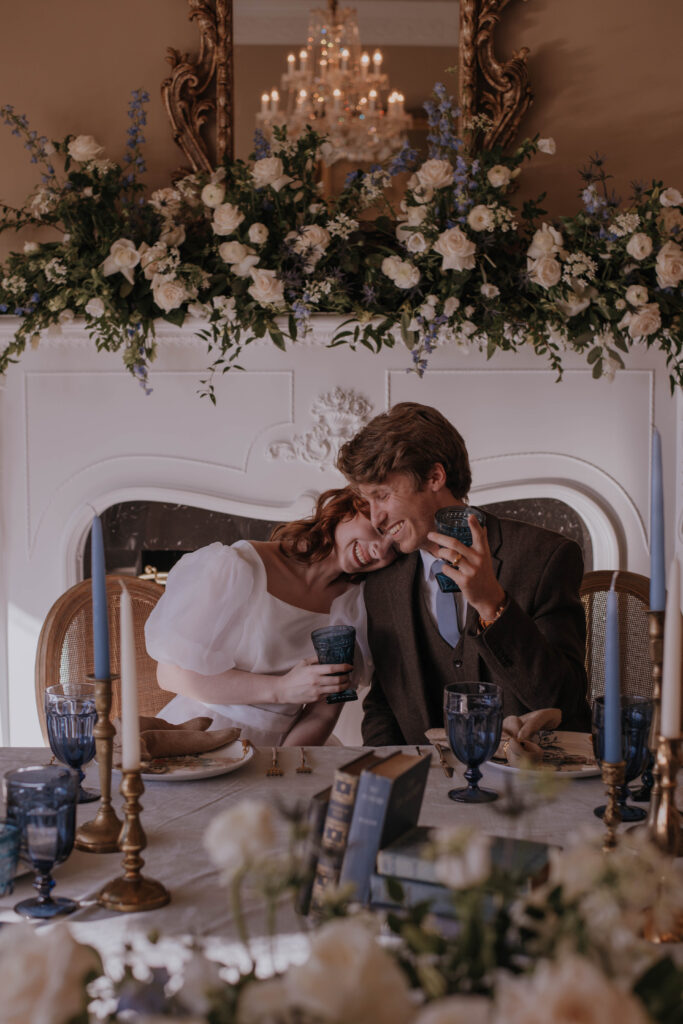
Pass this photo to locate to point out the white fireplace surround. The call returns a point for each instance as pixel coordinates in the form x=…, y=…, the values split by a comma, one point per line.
x=78, y=434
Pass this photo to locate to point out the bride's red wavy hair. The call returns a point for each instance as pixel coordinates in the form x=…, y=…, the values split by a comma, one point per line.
x=312, y=539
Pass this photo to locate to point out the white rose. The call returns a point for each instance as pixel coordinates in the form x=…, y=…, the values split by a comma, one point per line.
x=405, y=274
x=547, y=146
x=545, y=271
x=30, y=247
x=172, y=234
x=671, y=197
x=435, y=174
x=349, y=977
x=233, y=252
x=546, y=240
x=456, y=1010
x=415, y=215
x=669, y=265
x=258, y=234
x=463, y=856
x=637, y=295
x=311, y=236
x=267, y=289
x=261, y=1001
x=94, y=308
x=269, y=171
x=480, y=218
x=84, y=148
x=450, y=305
x=42, y=975
x=243, y=834
x=639, y=246
x=122, y=259
x=168, y=293
x=226, y=219
x=389, y=265
x=489, y=291
x=499, y=175
x=226, y=306
x=150, y=257
x=456, y=250
x=213, y=195
x=565, y=991
x=573, y=304
x=416, y=242
x=644, y=321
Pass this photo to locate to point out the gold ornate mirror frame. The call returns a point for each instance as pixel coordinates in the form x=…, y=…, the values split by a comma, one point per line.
x=199, y=94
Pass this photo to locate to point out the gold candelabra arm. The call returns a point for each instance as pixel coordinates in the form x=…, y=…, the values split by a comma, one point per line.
x=101, y=835
x=614, y=776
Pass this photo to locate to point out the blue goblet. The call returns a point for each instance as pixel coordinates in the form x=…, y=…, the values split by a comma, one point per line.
x=10, y=838
x=473, y=718
x=452, y=520
x=71, y=714
x=335, y=645
x=41, y=802
x=636, y=718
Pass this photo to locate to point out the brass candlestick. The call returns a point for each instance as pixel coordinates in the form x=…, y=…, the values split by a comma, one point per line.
x=101, y=835
x=656, y=648
x=667, y=825
x=131, y=892
x=614, y=776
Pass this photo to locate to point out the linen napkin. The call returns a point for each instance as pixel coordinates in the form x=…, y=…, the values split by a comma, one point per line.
x=520, y=734
x=159, y=738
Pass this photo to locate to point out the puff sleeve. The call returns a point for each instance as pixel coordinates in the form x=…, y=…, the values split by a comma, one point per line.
x=198, y=622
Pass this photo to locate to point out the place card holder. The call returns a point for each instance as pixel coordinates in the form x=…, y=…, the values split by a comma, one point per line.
x=101, y=835
x=132, y=892
x=614, y=777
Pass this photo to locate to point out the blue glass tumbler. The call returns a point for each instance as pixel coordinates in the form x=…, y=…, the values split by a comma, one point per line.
x=452, y=520
x=636, y=718
x=10, y=839
x=71, y=715
x=335, y=645
x=473, y=719
x=41, y=802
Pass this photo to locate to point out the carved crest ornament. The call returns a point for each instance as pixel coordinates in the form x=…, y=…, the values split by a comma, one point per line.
x=338, y=415
x=199, y=93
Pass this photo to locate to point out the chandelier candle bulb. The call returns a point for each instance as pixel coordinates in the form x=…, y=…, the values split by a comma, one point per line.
x=323, y=68
x=274, y=101
x=613, y=750
x=265, y=100
x=291, y=61
x=99, y=601
x=130, y=722
x=372, y=96
x=336, y=99
x=303, y=59
x=377, y=61
x=301, y=99
x=670, y=717
x=364, y=65
x=345, y=59
x=657, y=570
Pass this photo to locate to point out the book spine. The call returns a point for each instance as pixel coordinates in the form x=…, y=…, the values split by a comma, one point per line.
x=406, y=865
x=365, y=833
x=334, y=836
x=316, y=822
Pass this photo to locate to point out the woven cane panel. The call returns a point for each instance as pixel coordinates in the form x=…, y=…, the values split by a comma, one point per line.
x=635, y=666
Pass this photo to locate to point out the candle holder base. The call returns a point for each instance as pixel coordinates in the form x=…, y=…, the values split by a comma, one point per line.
x=128, y=895
x=101, y=835
x=666, y=828
x=613, y=775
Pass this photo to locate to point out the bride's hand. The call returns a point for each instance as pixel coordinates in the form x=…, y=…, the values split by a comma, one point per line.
x=309, y=681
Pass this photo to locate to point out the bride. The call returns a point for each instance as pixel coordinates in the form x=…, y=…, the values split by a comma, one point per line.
x=232, y=632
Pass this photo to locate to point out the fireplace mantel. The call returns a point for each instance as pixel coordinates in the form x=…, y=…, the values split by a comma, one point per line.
x=78, y=433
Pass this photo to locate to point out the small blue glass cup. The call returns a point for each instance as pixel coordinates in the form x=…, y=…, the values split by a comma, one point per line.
x=473, y=719
x=71, y=714
x=10, y=841
x=636, y=718
x=335, y=645
x=452, y=520
x=41, y=802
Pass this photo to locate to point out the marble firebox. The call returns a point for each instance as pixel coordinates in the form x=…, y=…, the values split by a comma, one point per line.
x=77, y=433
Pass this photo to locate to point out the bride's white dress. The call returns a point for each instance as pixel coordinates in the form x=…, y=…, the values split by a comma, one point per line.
x=217, y=614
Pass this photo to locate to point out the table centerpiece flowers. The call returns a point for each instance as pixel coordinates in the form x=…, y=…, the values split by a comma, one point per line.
x=254, y=250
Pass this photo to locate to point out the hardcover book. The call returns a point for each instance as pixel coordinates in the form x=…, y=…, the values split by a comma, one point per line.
x=439, y=897
x=387, y=805
x=315, y=821
x=335, y=828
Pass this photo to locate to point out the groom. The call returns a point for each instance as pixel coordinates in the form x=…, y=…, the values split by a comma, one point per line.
x=518, y=619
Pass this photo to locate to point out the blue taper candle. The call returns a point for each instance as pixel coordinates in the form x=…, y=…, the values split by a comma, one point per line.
x=99, y=602
x=612, y=751
x=657, y=567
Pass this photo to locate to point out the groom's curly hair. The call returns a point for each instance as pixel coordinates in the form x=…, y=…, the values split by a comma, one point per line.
x=410, y=438
x=312, y=539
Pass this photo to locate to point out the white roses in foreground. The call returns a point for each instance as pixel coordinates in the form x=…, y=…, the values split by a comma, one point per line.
x=241, y=258
x=123, y=258
x=401, y=272
x=169, y=293
x=267, y=289
x=270, y=172
x=639, y=246
x=226, y=219
x=546, y=241
x=499, y=175
x=669, y=265
x=545, y=271
x=456, y=250
x=435, y=174
x=84, y=148
x=646, y=320
x=244, y=834
x=463, y=857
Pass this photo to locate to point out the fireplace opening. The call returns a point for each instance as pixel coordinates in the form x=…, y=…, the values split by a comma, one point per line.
x=148, y=537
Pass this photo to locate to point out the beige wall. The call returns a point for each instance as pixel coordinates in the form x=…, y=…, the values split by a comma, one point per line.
x=607, y=76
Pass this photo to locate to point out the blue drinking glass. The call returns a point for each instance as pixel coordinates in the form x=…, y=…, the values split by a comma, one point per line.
x=335, y=645
x=41, y=802
x=452, y=520
x=636, y=718
x=473, y=719
x=10, y=839
x=71, y=714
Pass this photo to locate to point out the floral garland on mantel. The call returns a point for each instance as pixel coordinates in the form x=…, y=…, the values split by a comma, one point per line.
x=458, y=264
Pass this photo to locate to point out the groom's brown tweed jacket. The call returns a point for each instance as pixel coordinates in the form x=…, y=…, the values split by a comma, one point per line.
x=535, y=651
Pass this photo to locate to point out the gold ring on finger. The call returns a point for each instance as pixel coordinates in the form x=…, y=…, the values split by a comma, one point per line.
x=456, y=561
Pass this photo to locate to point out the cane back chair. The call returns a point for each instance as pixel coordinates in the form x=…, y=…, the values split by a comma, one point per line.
x=65, y=645
x=633, y=601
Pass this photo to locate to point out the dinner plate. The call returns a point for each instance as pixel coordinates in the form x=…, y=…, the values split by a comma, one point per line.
x=198, y=766
x=556, y=742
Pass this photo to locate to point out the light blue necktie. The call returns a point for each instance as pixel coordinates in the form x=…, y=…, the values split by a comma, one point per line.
x=446, y=613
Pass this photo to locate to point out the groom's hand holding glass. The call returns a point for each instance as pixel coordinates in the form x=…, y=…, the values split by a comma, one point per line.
x=471, y=568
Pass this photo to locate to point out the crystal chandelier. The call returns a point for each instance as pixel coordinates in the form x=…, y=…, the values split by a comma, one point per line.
x=339, y=90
